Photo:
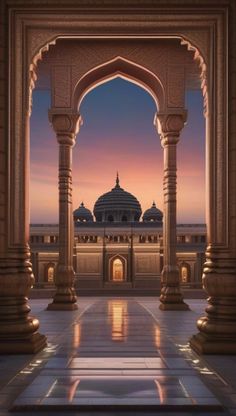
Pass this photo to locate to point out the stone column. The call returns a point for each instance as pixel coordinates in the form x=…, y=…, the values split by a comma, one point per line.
x=18, y=330
x=169, y=127
x=217, y=330
x=66, y=127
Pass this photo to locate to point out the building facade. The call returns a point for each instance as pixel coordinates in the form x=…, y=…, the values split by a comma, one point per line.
x=116, y=250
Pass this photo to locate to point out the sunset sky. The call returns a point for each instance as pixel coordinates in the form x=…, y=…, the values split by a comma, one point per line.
x=117, y=135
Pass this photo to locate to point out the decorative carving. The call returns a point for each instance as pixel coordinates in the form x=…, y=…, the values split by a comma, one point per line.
x=175, y=86
x=170, y=125
x=61, y=86
x=198, y=57
x=66, y=125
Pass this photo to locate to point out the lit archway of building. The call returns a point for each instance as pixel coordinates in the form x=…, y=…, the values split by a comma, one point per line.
x=118, y=272
x=185, y=272
x=207, y=33
x=117, y=268
x=50, y=273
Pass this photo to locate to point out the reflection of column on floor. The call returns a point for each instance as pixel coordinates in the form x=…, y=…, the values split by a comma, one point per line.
x=169, y=127
x=66, y=127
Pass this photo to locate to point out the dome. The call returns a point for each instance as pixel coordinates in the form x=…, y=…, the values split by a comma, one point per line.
x=117, y=205
x=82, y=214
x=153, y=214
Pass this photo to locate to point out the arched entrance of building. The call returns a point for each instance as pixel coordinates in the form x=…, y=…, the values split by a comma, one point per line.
x=185, y=272
x=50, y=273
x=117, y=270
x=205, y=34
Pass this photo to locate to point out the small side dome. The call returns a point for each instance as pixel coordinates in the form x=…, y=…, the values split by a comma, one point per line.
x=153, y=214
x=82, y=214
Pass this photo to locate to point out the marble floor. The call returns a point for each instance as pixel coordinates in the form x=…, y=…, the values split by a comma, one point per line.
x=118, y=356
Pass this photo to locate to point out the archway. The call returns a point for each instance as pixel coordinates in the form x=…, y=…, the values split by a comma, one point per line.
x=117, y=270
x=205, y=32
x=123, y=68
x=185, y=272
x=50, y=273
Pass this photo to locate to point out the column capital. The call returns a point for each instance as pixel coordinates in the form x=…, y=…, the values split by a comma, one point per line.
x=66, y=125
x=169, y=125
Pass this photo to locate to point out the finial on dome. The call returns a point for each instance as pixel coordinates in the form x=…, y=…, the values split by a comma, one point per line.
x=82, y=204
x=154, y=204
x=117, y=180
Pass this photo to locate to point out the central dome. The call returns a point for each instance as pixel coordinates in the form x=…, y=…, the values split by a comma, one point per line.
x=117, y=205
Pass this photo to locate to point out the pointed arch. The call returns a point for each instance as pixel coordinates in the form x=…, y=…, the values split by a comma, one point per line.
x=118, y=268
x=123, y=68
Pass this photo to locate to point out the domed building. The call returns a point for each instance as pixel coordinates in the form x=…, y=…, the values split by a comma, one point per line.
x=153, y=214
x=82, y=214
x=117, y=205
x=117, y=251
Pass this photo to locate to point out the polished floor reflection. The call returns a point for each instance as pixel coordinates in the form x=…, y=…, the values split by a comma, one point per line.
x=116, y=354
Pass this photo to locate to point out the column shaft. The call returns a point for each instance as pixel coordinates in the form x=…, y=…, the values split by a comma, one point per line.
x=171, y=298
x=217, y=334
x=18, y=330
x=169, y=188
x=65, y=296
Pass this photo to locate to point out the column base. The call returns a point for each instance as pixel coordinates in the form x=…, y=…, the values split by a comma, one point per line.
x=171, y=298
x=62, y=307
x=65, y=299
x=204, y=345
x=174, y=307
x=32, y=345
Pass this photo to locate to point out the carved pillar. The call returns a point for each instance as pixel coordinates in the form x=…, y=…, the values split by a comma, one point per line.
x=217, y=330
x=18, y=330
x=66, y=127
x=169, y=127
